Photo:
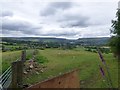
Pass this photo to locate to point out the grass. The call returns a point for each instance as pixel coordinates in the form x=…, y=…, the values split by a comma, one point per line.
x=41, y=59
x=8, y=57
x=61, y=61
x=29, y=54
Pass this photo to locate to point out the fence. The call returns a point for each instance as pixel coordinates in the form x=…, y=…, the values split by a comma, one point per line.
x=6, y=77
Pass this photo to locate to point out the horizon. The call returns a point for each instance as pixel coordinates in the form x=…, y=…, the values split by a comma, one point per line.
x=57, y=37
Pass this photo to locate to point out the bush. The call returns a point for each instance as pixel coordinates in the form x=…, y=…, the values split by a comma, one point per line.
x=42, y=48
x=95, y=51
x=41, y=59
x=28, y=57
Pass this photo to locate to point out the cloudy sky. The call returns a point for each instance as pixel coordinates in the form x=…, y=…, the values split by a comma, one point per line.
x=52, y=18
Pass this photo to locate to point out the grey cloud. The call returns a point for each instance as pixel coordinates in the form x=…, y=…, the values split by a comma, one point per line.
x=63, y=32
x=52, y=8
x=62, y=5
x=48, y=11
x=78, y=23
x=6, y=13
x=66, y=19
x=6, y=32
x=74, y=21
x=19, y=25
x=14, y=25
x=60, y=34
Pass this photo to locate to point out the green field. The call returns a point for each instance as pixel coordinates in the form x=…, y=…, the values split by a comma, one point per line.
x=61, y=61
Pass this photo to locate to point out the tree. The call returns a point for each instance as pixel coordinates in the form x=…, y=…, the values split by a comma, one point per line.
x=115, y=39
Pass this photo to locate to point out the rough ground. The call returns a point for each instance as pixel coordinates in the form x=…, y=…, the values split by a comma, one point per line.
x=32, y=67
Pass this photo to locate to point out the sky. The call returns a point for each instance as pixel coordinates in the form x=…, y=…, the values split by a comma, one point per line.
x=70, y=19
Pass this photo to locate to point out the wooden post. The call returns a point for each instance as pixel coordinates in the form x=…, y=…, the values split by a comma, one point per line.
x=20, y=73
x=23, y=56
x=14, y=75
x=17, y=74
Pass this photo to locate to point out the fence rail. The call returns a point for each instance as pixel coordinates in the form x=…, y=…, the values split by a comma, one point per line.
x=6, y=78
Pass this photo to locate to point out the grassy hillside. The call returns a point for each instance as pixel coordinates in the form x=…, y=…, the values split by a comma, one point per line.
x=61, y=61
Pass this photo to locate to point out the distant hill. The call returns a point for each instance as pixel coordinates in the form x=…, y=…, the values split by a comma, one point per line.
x=93, y=41
x=35, y=39
x=80, y=41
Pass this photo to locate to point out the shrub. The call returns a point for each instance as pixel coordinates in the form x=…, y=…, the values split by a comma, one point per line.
x=41, y=59
x=28, y=57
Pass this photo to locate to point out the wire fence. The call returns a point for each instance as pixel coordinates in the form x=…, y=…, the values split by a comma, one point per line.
x=6, y=78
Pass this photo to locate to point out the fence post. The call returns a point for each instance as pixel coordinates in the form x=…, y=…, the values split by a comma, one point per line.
x=17, y=74
x=23, y=56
